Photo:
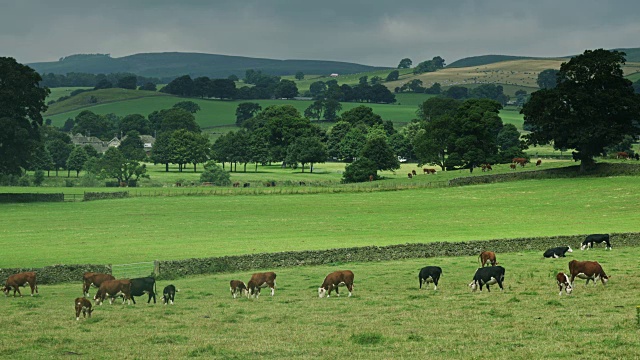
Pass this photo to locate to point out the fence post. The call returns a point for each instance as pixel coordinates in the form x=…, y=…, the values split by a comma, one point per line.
x=156, y=267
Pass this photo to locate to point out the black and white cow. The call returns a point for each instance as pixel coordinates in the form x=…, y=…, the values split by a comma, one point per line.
x=487, y=276
x=430, y=274
x=557, y=252
x=140, y=286
x=596, y=238
x=169, y=294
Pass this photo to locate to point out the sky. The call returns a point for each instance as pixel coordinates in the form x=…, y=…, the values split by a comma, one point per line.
x=375, y=32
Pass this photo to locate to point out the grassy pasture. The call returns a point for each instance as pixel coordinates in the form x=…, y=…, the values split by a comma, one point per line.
x=144, y=229
x=387, y=318
x=105, y=96
x=56, y=93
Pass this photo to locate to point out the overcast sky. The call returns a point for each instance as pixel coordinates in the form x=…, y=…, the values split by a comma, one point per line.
x=376, y=32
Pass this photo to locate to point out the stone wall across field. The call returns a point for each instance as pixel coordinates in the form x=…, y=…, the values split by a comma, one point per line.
x=57, y=273
x=30, y=197
x=89, y=196
x=179, y=268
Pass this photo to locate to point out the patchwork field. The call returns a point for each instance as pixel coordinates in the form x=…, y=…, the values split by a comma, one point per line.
x=387, y=318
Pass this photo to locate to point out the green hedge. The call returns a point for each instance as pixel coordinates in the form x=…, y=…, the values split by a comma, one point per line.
x=179, y=268
x=30, y=197
x=88, y=196
x=57, y=273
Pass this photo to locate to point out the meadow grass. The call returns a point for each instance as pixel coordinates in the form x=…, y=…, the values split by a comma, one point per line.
x=177, y=227
x=387, y=317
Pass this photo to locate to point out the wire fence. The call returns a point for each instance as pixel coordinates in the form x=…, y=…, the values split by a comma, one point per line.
x=133, y=270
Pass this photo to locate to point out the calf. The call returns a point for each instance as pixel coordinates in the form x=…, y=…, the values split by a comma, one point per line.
x=82, y=305
x=409, y=175
x=488, y=257
x=21, y=279
x=595, y=238
x=237, y=287
x=413, y=172
x=141, y=286
x=589, y=270
x=95, y=279
x=539, y=162
x=557, y=252
x=261, y=280
x=113, y=288
x=430, y=274
x=487, y=276
x=334, y=280
x=169, y=294
x=563, y=282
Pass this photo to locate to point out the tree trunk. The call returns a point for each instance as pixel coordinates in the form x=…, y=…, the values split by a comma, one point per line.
x=68, y=172
x=166, y=167
x=256, y=166
x=245, y=167
x=78, y=174
x=194, y=167
x=56, y=172
x=302, y=167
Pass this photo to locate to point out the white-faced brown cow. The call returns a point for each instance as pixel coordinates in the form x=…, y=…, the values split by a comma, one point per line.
x=21, y=279
x=113, y=288
x=563, y=282
x=83, y=306
x=488, y=257
x=237, y=288
x=95, y=279
x=589, y=270
x=334, y=280
x=259, y=281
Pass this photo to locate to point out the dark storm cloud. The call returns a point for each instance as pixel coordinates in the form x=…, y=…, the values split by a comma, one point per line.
x=370, y=32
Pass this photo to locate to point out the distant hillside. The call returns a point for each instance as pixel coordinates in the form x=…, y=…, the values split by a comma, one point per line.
x=172, y=64
x=484, y=60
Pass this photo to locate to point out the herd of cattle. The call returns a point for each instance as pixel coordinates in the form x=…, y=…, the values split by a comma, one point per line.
x=109, y=286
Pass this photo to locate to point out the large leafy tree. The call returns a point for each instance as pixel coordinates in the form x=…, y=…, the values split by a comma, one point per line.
x=114, y=165
x=378, y=150
x=307, y=150
x=547, y=79
x=22, y=101
x=76, y=160
x=286, y=89
x=132, y=147
x=59, y=151
x=161, y=153
x=593, y=106
x=246, y=111
x=362, y=115
x=405, y=63
x=89, y=123
x=135, y=122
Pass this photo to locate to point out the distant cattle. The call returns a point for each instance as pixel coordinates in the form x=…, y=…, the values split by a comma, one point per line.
x=409, y=175
x=83, y=306
x=430, y=274
x=486, y=167
x=589, y=270
x=370, y=178
x=334, y=280
x=246, y=185
x=487, y=276
x=113, y=289
x=237, y=287
x=259, y=281
x=487, y=257
x=427, y=171
x=236, y=184
x=557, y=252
x=21, y=279
x=563, y=282
x=539, y=162
x=595, y=238
x=141, y=286
x=169, y=294
x=413, y=172
x=512, y=166
x=520, y=161
x=95, y=279
x=302, y=183
x=622, y=155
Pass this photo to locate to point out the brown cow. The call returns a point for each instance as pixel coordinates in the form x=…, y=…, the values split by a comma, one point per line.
x=236, y=184
x=590, y=270
x=429, y=171
x=21, y=279
x=237, y=287
x=520, y=161
x=370, y=178
x=95, y=279
x=622, y=155
x=261, y=280
x=113, y=288
x=563, y=281
x=82, y=305
x=539, y=162
x=512, y=166
x=335, y=279
x=488, y=256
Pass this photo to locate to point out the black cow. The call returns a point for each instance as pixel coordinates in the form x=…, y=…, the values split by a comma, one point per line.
x=488, y=276
x=168, y=294
x=595, y=238
x=430, y=274
x=140, y=286
x=557, y=252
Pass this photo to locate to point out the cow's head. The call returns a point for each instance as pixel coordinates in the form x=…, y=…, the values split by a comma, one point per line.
x=322, y=292
x=605, y=279
x=568, y=288
x=584, y=246
x=569, y=249
x=473, y=285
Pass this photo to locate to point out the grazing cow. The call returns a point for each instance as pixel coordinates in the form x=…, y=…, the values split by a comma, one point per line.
x=246, y=185
x=95, y=279
x=590, y=270
x=429, y=171
x=21, y=279
x=261, y=280
x=488, y=257
x=563, y=282
x=140, y=286
x=430, y=274
x=622, y=155
x=334, y=280
x=520, y=161
x=409, y=175
x=169, y=294
x=539, y=162
x=236, y=184
x=595, y=238
x=302, y=183
x=489, y=168
x=112, y=289
x=557, y=252
x=488, y=276
x=82, y=305
x=370, y=178
x=237, y=288
x=512, y=166
x=413, y=172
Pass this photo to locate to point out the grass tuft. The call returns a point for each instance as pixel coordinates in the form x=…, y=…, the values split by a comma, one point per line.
x=367, y=338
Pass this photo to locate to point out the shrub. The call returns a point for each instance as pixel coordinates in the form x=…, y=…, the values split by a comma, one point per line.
x=359, y=171
x=68, y=183
x=38, y=177
x=24, y=181
x=214, y=174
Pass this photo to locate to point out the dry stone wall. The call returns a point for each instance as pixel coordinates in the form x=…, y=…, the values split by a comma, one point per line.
x=57, y=273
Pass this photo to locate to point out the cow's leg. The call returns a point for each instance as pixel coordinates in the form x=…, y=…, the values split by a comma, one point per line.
x=500, y=284
x=18, y=289
x=350, y=288
x=130, y=297
x=337, y=290
x=420, y=280
x=560, y=286
x=435, y=283
x=273, y=289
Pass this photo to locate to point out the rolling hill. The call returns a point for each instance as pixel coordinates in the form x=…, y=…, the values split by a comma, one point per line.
x=173, y=64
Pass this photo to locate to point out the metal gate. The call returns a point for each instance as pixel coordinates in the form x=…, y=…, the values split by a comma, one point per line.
x=133, y=270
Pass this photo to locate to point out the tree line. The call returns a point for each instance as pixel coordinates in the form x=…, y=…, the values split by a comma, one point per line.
x=51, y=80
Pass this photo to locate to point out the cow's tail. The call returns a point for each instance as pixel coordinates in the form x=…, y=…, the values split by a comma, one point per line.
x=479, y=259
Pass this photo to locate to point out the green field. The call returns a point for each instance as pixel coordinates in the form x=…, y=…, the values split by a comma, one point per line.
x=388, y=317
